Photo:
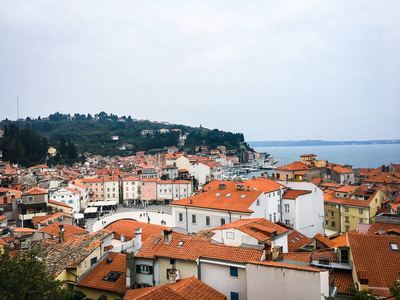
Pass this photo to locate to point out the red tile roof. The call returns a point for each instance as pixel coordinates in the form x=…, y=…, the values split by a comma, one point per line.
x=324, y=240
x=295, y=166
x=191, y=248
x=95, y=278
x=54, y=229
x=189, y=289
x=59, y=203
x=342, y=170
x=342, y=279
x=293, y=194
x=382, y=226
x=348, y=201
x=296, y=240
x=373, y=256
x=346, y=189
x=259, y=228
x=226, y=199
x=127, y=228
x=36, y=191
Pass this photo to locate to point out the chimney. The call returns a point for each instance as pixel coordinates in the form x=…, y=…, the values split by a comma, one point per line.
x=173, y=275
x=248, y=188
x=275, y=252
x=167, y=236
x=61, y=233
x=222, y=186
x=122, y=238
x=138, y=238
x=267, y=251
x=191, y=201
x=130, y=274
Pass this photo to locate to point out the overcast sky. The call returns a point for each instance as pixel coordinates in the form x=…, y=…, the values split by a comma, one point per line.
x=273, y=70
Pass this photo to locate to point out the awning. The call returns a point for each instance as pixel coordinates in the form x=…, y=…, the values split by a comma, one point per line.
x=103, y=203
x=331, y=233
x=90, y=210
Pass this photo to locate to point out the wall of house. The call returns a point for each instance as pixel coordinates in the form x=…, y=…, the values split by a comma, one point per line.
x=187, y=269
x=217, y=275
x=267, y=206
x=201, y=214
x=183, y=163
x=147, y=279
x=111, y=190
x=129, y=190
x=95, y=294
x=351, y=219
x=281, y=283
x=201, y=172
x=332, y=214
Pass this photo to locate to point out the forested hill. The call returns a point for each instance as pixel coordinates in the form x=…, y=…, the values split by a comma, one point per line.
x=98, y=134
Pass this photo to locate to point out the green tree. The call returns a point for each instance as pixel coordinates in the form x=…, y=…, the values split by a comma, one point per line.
x=71, y=151
x=24, y=277
x=395, y=289
x=361, y=295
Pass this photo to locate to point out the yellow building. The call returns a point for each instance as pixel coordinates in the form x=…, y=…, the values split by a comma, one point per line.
x=361, y=208
x=312, y=161
x=292, y=172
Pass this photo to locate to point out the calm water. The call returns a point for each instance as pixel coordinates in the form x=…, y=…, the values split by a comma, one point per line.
x=359, y=156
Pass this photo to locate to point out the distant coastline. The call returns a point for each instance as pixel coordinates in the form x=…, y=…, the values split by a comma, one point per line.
x=319, y=143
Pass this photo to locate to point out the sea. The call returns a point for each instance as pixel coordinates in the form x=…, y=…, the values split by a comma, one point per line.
x=357, y=156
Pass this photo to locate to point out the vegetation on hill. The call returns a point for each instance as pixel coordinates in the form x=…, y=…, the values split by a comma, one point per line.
x=108, y=135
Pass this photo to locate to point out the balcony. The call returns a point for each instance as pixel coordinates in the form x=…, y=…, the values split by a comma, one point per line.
x=30, y=216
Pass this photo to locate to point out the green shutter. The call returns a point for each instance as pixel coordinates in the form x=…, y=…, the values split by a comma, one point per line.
x=151, y=269
x=138, y=268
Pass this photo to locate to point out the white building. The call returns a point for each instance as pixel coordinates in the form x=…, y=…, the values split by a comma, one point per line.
x=172, y=190
x=274, y=280
x=201, y=172
x=303, y=208
x=83, y=192
x=67, y=196
x=111, y=189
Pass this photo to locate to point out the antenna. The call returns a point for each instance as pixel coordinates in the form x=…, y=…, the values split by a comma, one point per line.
x=17, y=110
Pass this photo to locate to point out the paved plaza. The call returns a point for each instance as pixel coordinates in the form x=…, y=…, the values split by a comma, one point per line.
x=160, y=214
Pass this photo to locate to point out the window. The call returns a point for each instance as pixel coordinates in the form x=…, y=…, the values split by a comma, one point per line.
x=222, y=221
x=273, y=194
x=180, y=217
x=347, y=228
x=394, y=247
x=144, y=269
x=234, y=296
x=279, y=208
x=360, y=211
x=258, y=202
x=112, y=276
x=270, y=217
x=326, y=222
x=274, y=217
x=278, y=193
x=333, y=224
x=93, y=261
x=346, y=209
x=287, y=222
x=234, y=272
x=346, y=219
x=332, y=213
x=286, y=208
x=326, y=213
x=30, y=198
x=361, y=220
x=194, y=219
x=208, y=220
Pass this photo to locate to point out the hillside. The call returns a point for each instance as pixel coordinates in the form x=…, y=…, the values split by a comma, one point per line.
x=112, y=135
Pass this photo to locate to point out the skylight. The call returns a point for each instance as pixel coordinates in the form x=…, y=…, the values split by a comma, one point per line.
x=243, y=196
x=217, y=194
x=181, y=243
x=156, y=241
x=112, y=276
x=296, y=238
x=292, y=241
x=394, y=247
x=300, y=236
x=228, y=195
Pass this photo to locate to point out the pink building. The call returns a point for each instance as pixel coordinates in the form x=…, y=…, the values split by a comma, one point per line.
x=95, y=188
x=148, y=188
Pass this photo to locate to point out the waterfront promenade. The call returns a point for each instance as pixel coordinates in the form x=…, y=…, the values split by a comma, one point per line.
x=157, y=214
